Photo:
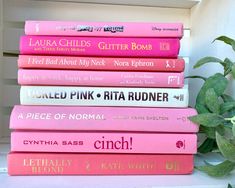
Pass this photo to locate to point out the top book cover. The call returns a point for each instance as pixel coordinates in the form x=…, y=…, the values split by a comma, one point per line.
x=109, y=29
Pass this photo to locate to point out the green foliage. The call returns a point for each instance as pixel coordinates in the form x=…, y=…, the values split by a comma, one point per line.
x=219, y=170
x=230, y=186
x=216, y=114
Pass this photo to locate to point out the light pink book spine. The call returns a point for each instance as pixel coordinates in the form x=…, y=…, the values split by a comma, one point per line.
x=103, y=142
x=100, y=46
x=98, y=164
x=100, y=118
x=110, y=29
x=100, y=78
x=101, y=63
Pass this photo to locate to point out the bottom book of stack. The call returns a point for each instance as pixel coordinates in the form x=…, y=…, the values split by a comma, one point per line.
x=98, y=164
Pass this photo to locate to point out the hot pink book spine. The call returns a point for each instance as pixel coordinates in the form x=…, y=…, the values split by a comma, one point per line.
x=97, y=164
x=100, y=119
x=100, y=46
x=101, y=63
x=100, y=78
x=110, y=29
x=102, y=142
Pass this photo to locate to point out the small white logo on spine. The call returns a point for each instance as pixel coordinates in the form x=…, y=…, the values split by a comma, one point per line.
x=173, y=79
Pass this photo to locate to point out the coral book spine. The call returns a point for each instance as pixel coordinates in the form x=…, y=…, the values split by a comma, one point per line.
x=108, y=29
x=100, y=118
x=103, y=142
x=100, y=78
x=104, y=96
x=98, y=164
x=101, y=63
x=100, y=46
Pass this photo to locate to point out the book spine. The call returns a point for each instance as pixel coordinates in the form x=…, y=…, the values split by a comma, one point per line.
x=103, y=142
x=101, y=63
x=110, y=29
x=100, y=78
x=100, y=119
x=104, y=96
x=100, y=46
x=97, y=164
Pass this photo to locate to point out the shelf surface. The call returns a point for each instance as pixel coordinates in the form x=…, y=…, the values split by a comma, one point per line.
x=151, y=3
x=196, y=180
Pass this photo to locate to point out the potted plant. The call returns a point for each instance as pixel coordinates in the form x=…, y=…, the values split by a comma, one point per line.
x=216, y=114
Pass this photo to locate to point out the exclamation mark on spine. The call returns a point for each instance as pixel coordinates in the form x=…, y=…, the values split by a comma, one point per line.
x=130, y=143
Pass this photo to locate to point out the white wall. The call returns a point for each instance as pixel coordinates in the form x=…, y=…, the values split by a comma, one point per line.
x=210, y=19
x=1, y=69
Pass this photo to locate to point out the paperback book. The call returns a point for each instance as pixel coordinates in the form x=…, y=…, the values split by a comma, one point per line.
x=88, y=118
x=111, y=29
x=103, y=142
x=104, y=96
x=98, y=164
x=100, y=46
x=101, y=63
x=100, y=78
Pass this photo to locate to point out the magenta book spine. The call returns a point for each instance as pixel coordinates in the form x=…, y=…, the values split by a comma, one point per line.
x=100, y=78
x=100, y=118
x=103, y=142
x=100, y=46
x=108, y=29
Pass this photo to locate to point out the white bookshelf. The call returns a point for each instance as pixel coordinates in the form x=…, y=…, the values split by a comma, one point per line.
x=204, y=20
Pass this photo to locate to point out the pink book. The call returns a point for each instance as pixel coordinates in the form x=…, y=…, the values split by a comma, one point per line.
x=101, y=63
x=98, y=164
x=100, y=78
x=108, y=29
x=103, y=119
x=100, y=46
x=103, y=142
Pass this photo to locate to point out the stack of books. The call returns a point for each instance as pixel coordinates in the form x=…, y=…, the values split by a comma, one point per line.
x=103, y=99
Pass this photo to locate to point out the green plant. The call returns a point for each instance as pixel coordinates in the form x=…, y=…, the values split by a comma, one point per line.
x=216, y=114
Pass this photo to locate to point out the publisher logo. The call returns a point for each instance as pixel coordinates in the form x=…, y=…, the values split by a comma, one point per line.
x=179, y=97
x=180, y=144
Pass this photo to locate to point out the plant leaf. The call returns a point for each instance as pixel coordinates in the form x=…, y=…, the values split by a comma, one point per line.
x=228, y=64
x=233, y=46
x=208, y=60
x=225, y=39
x=227, y=106
x=233, y=130
x=207, y=119
x=227, y=98
x=225, y=147
x=233, y=69
x=219, y=170
x=201, y=109
x=212, y=101
x=229, y=186
x=207, y=146
x=209, y=131
x=201, y=77
x=218, y=82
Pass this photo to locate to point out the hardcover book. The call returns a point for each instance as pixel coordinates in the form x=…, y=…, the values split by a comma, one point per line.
x=101, y=63
x=104, y=96
x=103, y=142
x=98, y=164
x=103, y=119
x=100, y=46
x=111, y=29
x=100, y=78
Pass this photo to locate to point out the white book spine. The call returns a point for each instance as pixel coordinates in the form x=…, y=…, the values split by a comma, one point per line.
x=104, y=96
